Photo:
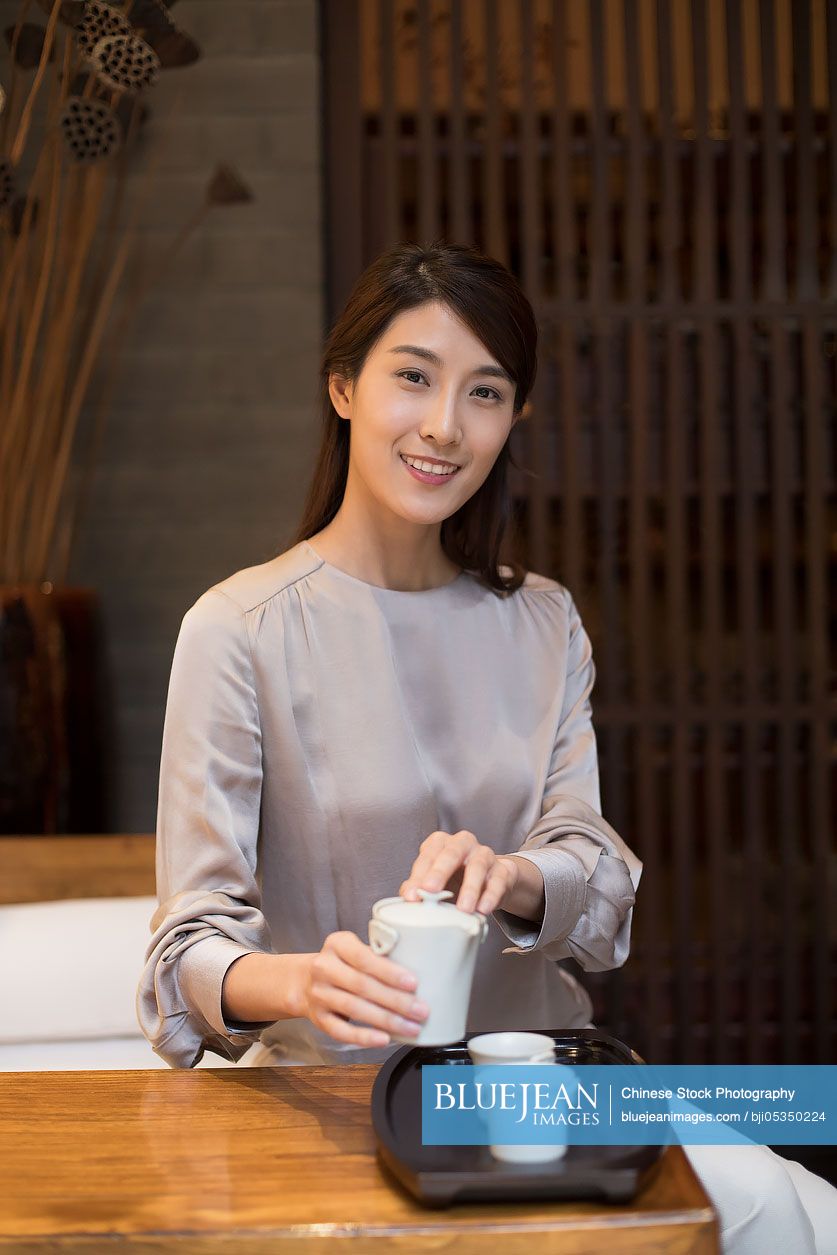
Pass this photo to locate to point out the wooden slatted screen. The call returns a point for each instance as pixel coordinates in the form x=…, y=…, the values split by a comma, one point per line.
x=662, y=177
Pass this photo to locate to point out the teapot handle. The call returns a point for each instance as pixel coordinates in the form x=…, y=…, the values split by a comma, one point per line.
x=382, y=937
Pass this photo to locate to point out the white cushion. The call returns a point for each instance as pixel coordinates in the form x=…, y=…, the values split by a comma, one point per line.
x=69, y=970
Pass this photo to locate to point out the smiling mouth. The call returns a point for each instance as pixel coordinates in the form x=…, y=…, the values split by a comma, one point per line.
x=423, y=467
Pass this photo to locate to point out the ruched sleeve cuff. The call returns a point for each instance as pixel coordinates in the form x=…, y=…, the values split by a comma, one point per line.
x=182, y=1045
x=564, y=884
x=197, y=938
x=202, y=971
x=587, y=913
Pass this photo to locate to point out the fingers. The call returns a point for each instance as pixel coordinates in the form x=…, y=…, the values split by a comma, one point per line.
x=459, y=862
x=442, y=853
x=344, y=1003
x=477, y=869
x=417, y=879
x=350, y=982
x=350, y=949
x=501, y=878
x=455, y=853
x=342, y=1031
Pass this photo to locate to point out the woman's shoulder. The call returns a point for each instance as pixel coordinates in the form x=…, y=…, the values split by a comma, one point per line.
x=535, y=583
x=252, y=586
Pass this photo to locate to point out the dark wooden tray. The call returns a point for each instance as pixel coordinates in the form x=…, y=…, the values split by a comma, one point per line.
x=441, y=1175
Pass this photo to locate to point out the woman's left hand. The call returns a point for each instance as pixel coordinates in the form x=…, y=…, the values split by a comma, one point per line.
x=457, y=861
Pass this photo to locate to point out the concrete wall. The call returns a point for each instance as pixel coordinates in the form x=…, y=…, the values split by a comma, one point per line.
x=213, y=428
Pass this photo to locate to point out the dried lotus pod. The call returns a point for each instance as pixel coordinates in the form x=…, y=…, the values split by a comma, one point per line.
x=98, y=21
x=131, y=110
x=90, y=128
x=7, y=182
x=125, y=62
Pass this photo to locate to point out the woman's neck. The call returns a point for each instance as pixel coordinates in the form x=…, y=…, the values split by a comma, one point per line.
x=411, y=572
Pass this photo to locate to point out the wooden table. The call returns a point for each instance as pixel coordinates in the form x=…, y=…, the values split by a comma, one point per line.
x=266, y=1159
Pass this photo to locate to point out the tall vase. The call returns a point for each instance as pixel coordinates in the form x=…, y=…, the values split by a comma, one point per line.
x=50, y=735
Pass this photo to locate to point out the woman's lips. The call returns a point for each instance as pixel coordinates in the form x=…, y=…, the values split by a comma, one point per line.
x=426, y=478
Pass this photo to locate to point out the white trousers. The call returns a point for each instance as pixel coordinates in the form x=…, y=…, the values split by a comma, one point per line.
x=766, y=1203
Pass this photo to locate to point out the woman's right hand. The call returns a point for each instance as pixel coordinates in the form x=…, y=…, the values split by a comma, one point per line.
x=346, y=980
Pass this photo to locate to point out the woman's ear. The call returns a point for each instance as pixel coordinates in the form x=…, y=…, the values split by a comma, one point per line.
x=340, y=391
x=524, y=413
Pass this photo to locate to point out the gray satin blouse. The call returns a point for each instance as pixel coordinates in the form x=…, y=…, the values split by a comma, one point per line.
x=317, y=729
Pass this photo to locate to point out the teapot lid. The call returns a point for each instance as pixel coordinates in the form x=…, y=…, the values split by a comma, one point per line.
x=431, y=912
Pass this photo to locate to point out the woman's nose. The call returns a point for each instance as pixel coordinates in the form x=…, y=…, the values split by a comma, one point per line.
x=443, y=425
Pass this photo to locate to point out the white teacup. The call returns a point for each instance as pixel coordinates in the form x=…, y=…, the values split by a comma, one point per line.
x=517, y=1048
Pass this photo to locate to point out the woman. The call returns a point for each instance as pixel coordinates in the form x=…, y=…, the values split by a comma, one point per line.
x=383, y=707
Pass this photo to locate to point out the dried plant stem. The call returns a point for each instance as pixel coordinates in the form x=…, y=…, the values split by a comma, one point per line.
x=71, y=218
x=39, y=551
x=26, y=116
x=16, y=309
x=22, y=429
x=38, y=327
x=20, y=245
x=12, y=93
x=10, y=300
x=29, y=308
x=53, y=378
x=75, y=504
x=35, y=315
x=15, y=81
x=48, y=394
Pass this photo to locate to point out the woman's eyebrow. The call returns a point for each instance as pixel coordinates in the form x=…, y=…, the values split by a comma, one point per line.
x=496, y=372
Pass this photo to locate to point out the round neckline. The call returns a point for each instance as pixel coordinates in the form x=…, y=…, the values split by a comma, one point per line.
x=380, y=588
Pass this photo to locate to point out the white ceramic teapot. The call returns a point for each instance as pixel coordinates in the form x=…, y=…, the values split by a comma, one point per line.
x=438, y=943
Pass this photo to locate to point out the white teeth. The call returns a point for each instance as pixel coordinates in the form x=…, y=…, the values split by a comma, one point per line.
x=430, y=467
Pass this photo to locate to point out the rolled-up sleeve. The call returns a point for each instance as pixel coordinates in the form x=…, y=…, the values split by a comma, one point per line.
x=209, y=913
x=590, y=874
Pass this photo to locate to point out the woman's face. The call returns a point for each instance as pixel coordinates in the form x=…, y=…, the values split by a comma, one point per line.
x=457, y=408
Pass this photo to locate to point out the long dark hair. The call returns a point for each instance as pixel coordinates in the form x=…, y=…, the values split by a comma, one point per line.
x=490, y=301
